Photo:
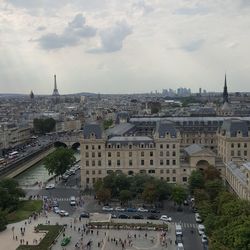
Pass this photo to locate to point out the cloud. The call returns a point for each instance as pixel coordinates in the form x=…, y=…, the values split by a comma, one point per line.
x=197, y=10
x=72, y=35
x=193, y=45
x=141, y=5
x=41, y=28
x=112, y=38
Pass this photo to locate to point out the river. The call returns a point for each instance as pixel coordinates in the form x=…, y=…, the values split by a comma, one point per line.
x=37, y=173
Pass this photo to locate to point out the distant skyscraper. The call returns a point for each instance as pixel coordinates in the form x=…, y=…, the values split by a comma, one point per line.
x=225, y=93
x=55, y=91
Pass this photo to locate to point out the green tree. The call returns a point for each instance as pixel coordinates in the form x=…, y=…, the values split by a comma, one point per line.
x=179, y=194
x=98, y=185
x=125, y=196
x=43, y=126
x=196, y=181
x=103, y=195
x=211, y=173
x=59, y=161
x=3, y=221
x=107, y=123
x=213, y=188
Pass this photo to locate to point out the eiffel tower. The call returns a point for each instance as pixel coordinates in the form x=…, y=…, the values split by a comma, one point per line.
x=55, y=91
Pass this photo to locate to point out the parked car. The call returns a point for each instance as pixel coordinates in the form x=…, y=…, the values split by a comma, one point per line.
x=153, y=217
x=185, y=203
x=143, y=210
x=56, y=210
x=72, y=201
x=166, y=218
x=131, y=209
x=123, y=216
x=204, y=239
x=201, y=229
x=178, y=239
x=55, y=204
x=120, y=209
x=198, y=218
x=107, y=208
x=154, y=211
x=65, y=177
x=63, y=213
x=65, y=241
x=50, y=186
x=84, y=215
x=180, y=246
x=137, y=216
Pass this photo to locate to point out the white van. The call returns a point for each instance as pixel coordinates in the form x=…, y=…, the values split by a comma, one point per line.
x=201, y=229
x=72, y=200
x=180, y=246
x=178, y=230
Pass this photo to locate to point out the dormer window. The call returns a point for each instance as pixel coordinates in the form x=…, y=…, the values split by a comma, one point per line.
x=92, y=135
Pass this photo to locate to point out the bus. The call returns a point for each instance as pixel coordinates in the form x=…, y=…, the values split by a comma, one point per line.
x=13, y=154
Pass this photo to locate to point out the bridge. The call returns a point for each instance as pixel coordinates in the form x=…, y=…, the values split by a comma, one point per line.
x=71, y=140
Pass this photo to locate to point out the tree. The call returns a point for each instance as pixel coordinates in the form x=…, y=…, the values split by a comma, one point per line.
x=213, y=188
x=196, y=181
x=211, y=173
x=98, y=185
x=103, y=195
x=3, y=221
x=107, y=123
x=150, y=193
x=125, y=196
x=45, y=125
x=59, y=161
x=179, y=194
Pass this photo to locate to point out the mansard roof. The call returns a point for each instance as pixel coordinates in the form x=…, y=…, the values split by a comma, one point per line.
x=92, y=129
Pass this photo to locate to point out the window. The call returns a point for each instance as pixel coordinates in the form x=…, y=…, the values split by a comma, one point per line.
x=99, y=171
x=167, y=162
x=161, y=145
x=161, y=171
x=168, y=179
x=167, y=171
x=161, y=162
x=87, y=163
x=118, y=154
x=93, y=171
x=232, y=145
x=239, y=153
x=174, y=162
x=142, y=154
x=151, y=162
x=93, y=154
x=161, y=153
x=238, y=145
x=93, y=163
x=109, y=162
x=232, y=153
x=245, y=153
x=130, y=163
x=184, y=179
x=130, y=146
x=151, y=153
x=93, y=147
x=174, y=153
x=87, y=172
x=151, y=171
x=99, y=146
x=99, y=154
x=130, y=154
x=174, y=171
x=184, y=170
x=174, y=179
x=87, y=147
x=87, y=154
x=118, y=162
x=173, y=145
x=87, y=180
x=118, y=145
x=99, y=163
x=245, y=145
x=109, y=154
x=167, y=153
x=142, y=162
x=167, y=146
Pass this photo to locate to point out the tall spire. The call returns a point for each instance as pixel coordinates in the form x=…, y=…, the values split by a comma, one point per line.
x=55, y=91
x=225, y=93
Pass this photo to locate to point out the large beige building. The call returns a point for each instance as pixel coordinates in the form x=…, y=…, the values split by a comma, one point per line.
x=165, y=148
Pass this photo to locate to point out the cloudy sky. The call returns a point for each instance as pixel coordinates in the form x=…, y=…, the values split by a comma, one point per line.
x=118, y=46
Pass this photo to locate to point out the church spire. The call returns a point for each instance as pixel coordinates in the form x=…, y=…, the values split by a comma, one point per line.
x=225, y=93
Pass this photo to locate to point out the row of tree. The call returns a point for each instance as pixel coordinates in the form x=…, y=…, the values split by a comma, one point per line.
x=42, y=126
x=226, y=217
x=10, y=192
x=145, y=187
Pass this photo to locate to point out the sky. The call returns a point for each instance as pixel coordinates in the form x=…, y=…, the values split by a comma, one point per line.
x=118, y=46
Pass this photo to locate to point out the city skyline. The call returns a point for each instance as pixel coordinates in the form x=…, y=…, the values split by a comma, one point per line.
x=123, y=47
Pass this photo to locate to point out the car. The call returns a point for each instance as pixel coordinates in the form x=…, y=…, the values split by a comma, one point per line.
x=166, y=218
x=55, y=204
x=72, y=171
x=180, y=246
x=65, y=241
x=137, y=217
x=63, y=213
x=56, y=210
x=65, y=177
x=185, y=203
x=68, y=173
x=131, y=209
x=113, y=216
x=198, y=218
x=194, y=209
x=154, y=211
x=119, y=209
x=201, y=229
x=204, y=239
x=143, y=210
x=178, y=239
x=123, y=216
x=50, y=186
x=72, y=201
x=153, y=217
x=84, y=215
x=107, y=208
